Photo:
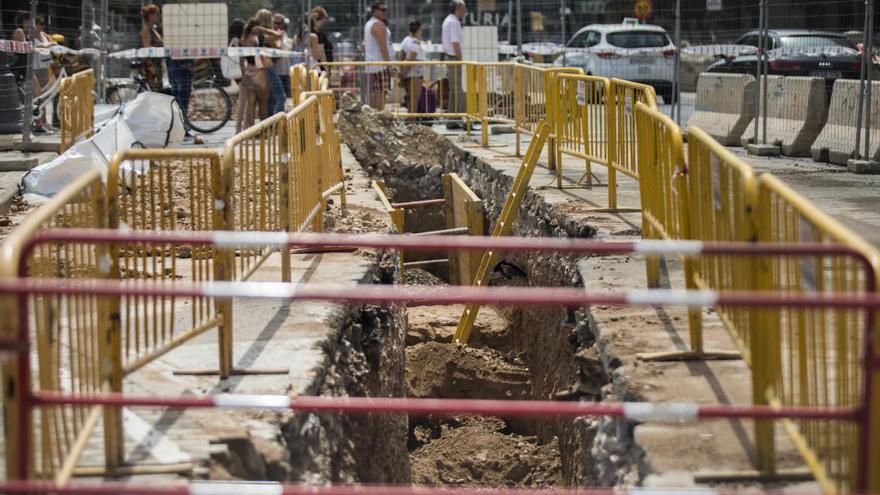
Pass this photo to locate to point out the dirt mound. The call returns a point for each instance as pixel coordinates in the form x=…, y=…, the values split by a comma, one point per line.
x=438, y=323
x=409, y=157
x=479, y=451
x=419, y=276
x=436, y=369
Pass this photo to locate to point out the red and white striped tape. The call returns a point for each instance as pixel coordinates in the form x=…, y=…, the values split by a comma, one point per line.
x=273, y=488
x=635, y=411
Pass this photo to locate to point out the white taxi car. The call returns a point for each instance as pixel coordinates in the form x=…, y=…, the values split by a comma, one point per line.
x=629, y=50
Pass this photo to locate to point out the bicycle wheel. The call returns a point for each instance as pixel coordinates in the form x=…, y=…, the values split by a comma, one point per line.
x=210, y=107
x=122, y=92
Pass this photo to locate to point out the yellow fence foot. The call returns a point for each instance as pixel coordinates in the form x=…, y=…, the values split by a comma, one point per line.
x=619, y=209
x=484, y=146
x=184, y=468
x=235, y=372
x=689, y=356
x=753, y=475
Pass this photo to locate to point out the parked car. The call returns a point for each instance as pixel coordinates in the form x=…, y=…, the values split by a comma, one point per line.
x=629, y=50
x=797, y=52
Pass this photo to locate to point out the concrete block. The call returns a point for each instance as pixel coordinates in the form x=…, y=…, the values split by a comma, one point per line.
x=796, y=113
x=724, y=105
x=40, y=146
x=864, y=167
x=764, y=149
x=837, y=141
x=18, y=164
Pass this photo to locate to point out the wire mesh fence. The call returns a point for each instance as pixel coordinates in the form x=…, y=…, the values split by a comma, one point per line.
x=669, y=44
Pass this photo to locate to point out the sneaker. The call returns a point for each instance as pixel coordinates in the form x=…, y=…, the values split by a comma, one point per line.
x=40, y=130
x=455, y=124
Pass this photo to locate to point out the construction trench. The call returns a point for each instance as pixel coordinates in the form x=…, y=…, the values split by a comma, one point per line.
x=533, y=353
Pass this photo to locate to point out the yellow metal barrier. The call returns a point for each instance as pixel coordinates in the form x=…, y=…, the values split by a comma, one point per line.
x=298, y=82
x=464, y=209
x=504, y=226
x=582, y=124
x=721, y=201
x=304, y=174
x=164, y=190
x=499, y=81
x=662, y=183
x=814, y=356
x=256, y=161
x=623, y=153
x=76, y=108
x=329, y=143
x=386, y=86
x=71, y=336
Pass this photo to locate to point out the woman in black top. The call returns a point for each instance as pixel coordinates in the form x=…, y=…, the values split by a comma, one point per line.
x=319, y=16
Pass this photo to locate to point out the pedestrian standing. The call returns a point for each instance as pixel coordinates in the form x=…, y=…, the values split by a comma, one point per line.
x=377, y=38
x=282, y=64
x=253, y=92
x=452, y=51
x=319, y=17
x=271, y=38
x=413, y=76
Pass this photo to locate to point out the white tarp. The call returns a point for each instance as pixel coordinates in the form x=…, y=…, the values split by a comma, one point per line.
x=152, y=120
x=93, y=153
x=156, y=120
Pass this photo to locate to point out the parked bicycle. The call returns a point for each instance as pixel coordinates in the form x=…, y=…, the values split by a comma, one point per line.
x=210, y=106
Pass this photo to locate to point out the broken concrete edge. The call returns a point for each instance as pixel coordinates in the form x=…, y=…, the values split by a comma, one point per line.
x=863, y=167
x=609, y=453
x=762, y=149
x=18, y=164
x=38, y=146
x=361, y=356
x=9, y=189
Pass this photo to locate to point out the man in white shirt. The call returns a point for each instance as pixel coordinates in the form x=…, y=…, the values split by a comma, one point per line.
x=377, y=38
x=452, y=50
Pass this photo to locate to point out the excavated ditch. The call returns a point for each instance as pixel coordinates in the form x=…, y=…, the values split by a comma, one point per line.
x=536, y=353
x=533, y=353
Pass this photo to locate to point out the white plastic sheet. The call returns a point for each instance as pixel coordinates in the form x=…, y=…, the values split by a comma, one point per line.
x=94, y=153
x=156, y=120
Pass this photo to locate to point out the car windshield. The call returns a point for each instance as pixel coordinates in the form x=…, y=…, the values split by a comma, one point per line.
x=638, y=39
x=810, y=41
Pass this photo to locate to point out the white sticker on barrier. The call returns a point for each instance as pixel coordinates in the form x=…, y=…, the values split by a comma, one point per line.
x=715, y=170
x=674, y=297
x=645, y=411
x=237, y=487
x=807, y=233
x=237, y=401
x=628, y=104
x=668, y=247
x=229, y=239
x=581, y=93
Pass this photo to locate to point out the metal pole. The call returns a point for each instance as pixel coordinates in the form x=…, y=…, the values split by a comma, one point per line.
x=105, y=48
x=519, y=32
x=759, y=57
x=676, y=77
x=765, y=59
x=562, y=17
x=866, y=59
x=564, y=37
x=28, y=116
x=509, y=21
x=869, y=71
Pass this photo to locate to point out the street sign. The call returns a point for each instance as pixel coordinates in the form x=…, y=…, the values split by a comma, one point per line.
x=593, y=6
x=643, y=9
x=714, y=5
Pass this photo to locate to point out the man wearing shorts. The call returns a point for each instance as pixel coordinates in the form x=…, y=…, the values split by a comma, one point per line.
x=377, y=48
